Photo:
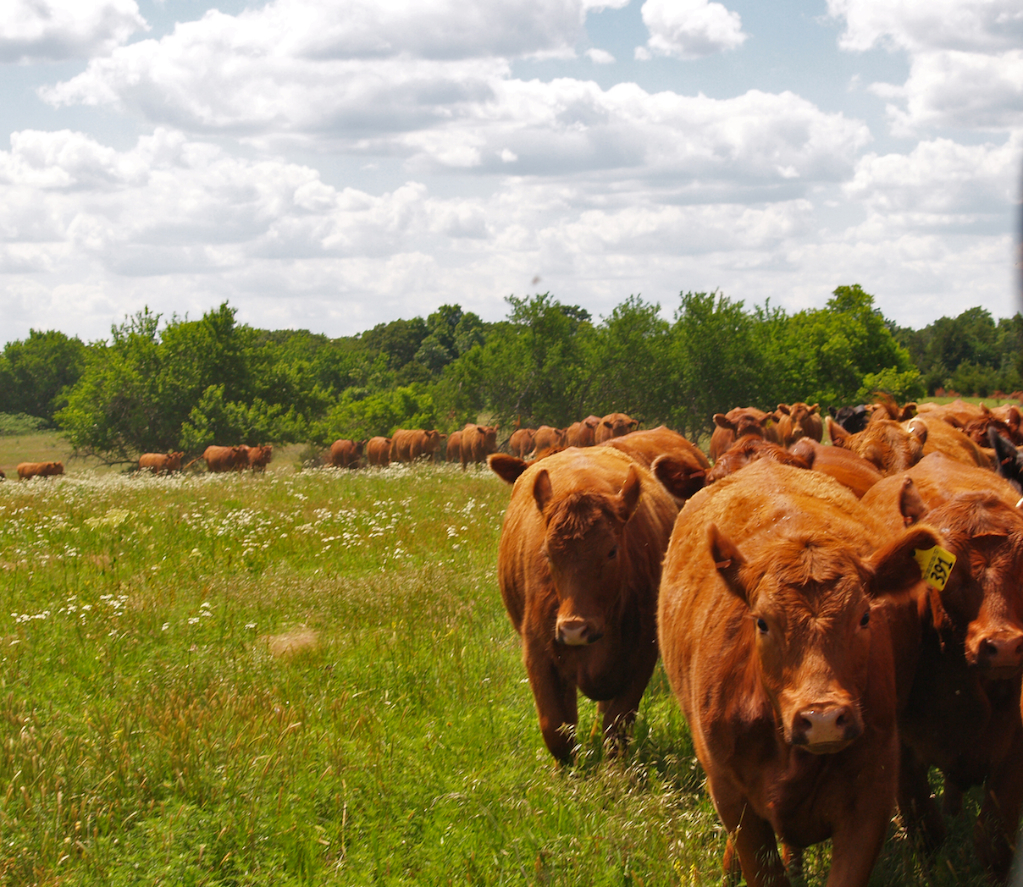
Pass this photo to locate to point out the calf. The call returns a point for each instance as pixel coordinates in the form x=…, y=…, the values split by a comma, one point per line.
x=578, y=565
x=614, y=425
x=158, y=463
x=378, y=451
x=345, y=453
x=27, y=470
x=774, y=645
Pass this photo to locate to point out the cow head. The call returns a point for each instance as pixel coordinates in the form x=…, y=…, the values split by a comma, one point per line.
x=174, y=461
x=811, y=603
x=743, y=423
x=884, y=443
x=585, y=551
x=980, y=609
x=1009, y=461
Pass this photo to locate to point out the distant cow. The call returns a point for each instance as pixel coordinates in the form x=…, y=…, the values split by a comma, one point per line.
x=159, y=463
x=478, y=442
x=798, y=420
x=345, y=453
x=521, y=442
x=614, y=425
x=547, y=438
x=454, y=448
x=578, y=565
x=963, y=709
x=415, y=444
x=28, y=470
x=220, y=459
x=852, y=419
x=740, y=422
x=378, y=451
x=257, y=458
x=774, y=646
x=582, y=434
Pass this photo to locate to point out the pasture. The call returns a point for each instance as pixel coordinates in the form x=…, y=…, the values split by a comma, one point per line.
x=309, y=678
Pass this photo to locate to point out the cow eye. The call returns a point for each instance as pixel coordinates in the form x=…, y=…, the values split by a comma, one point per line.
x=613, y=552
x=761, y=625
x=865, y=621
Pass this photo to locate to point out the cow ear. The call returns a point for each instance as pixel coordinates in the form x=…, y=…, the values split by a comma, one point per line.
x=728, y=560
x=506, y=467
x=839, y=436
x=816, y=408
x=678, y=477
x=543, y=492
x=919, y=431
x=628, y=497
x=784, y=408
x=722, y=421
x=895, y=568
x=911, y=506
x=953, y=421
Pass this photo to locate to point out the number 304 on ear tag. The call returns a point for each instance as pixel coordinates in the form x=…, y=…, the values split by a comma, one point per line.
x=935, y=565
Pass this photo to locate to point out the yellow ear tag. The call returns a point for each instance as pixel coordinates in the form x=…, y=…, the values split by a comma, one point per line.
x=935, y=565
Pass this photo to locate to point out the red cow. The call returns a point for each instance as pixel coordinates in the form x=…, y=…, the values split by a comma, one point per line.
x=27, y=470
x=645, y=446
x=378, y=451
x=579, y=563
x=478, y=442
x=963, y=708
x=411, y=445
x=158, y=463
x=220, y=459
x=454, y=450
x=614, y=425
x=887, y=445
x=547, y=438
x=940, y=436
x=740, y=422
x=774, y=641
x=521, y=442
x=582, y=434
x=747, y=450
x=845, y=466
x=257, y=458
x=797, y=421
x=345, y=453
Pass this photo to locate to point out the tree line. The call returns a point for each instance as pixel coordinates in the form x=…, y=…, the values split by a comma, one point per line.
x=159, y=385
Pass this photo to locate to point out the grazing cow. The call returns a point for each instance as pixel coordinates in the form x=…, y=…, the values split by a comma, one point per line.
x=158, y=463
x=257, y=458
x=378, y=451
x=747, y=450
x=614, y=425
x=220, y=459
x=941, y=437
x=845, y=466
x=852, y=419
x=345, y=453
x=454, y=448
x=411, y=445
x=547, y=438
x=579, y=563
x=740, y=422
x=27, y=470
x=478, y=442
x=521, y=442
x=887, y=445
x=582, y=434
x=775, y=645
x=797, y=421
x=963, y=709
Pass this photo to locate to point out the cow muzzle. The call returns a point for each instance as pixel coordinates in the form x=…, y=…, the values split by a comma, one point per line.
x=826, y=728
x=575, y=632
x=998, y=653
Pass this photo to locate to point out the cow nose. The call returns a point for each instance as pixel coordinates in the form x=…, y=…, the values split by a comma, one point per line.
x=826, y=728
x=1002, y=651
x=576, y=633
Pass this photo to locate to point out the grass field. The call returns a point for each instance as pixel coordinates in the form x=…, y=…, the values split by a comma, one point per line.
x=309, y=678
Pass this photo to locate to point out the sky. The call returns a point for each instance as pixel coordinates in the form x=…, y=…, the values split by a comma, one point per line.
x=334, y=164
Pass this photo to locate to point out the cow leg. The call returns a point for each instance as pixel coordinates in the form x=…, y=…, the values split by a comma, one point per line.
x=752, y=839
x=856, y=844
x=917, y=805
x=620, y=713
x=995, y=831
x=556, y=706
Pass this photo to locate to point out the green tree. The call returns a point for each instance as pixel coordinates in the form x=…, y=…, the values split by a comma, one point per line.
x=35, y=372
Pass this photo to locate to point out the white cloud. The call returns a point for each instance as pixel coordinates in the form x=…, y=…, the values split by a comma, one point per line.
x=690, y=29
x=55, y=30
x=600, y=56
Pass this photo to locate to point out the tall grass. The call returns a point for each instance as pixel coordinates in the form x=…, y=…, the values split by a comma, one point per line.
x=308, y=678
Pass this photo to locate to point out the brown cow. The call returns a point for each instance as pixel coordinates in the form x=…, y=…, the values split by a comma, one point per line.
x=963, y=708
x=887, y=445
x=645, y=446
x=454, y=448
x=739, y=422
x=547, y=438
x=345, y=453
x=521, y=442
x=774, y=641
x=614, y=425
x=798, y=420
x=578, y=565
x=158, y=463
x=220, y=459
x=747, y=450
x=478, y=442
x=845, y=466
x=941, y=437
x=378, y=451
x=582, y=434
x=257, y=458
x=27, y=470
x=411, y=445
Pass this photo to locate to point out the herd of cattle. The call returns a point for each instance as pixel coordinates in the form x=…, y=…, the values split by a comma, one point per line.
x=833, y=620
